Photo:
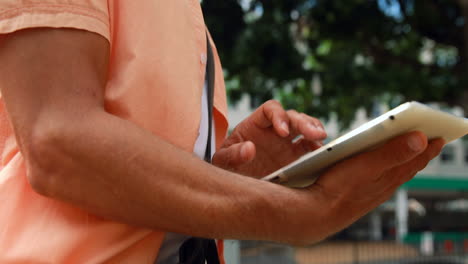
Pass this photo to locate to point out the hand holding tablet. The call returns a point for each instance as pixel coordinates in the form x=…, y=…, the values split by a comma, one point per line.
x=411, y=116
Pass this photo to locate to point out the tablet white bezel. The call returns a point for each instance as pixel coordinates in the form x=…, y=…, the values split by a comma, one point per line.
x=407, y=117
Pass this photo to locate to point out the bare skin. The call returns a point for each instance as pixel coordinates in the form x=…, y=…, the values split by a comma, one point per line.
x=52, y=83
x=265, y=141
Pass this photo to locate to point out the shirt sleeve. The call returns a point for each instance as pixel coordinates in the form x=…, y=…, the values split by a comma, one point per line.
x=90, y=15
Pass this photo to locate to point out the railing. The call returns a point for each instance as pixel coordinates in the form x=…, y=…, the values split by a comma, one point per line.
x=357, y=252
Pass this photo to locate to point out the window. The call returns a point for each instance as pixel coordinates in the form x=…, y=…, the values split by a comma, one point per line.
x=448, y=154
x=466, y=153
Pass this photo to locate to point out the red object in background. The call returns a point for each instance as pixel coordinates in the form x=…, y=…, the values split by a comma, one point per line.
x=465, y=245
x=449, y=246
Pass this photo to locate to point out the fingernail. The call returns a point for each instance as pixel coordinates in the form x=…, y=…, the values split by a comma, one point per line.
x=285, y=127
x=297, y=139
x=312, y=126
x=243, y=151
x=415, y=143
x=317, y=128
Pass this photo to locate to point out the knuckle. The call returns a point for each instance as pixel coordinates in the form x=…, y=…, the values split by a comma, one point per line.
x=400, y=156
x=435, y=152
x=404, y=177
x=304, y=116
x=293, y=115
x=317, y=122
x=397, y=155
x=273, y=108
x=408, y=177
x=422, y=163
x=273, y=103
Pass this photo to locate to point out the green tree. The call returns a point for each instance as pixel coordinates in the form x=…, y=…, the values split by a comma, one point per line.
x=360, y=51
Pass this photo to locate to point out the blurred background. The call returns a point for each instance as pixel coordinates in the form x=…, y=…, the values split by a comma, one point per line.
x=346, y=62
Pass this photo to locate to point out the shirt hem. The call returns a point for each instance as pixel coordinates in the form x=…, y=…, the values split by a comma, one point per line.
x=54, y=16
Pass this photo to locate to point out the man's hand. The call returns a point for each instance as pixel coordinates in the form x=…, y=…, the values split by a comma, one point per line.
x=355, y=186
x=269, y=139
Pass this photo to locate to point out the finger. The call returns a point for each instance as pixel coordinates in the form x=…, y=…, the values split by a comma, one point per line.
x=234, y=155
x=394, y=178
x=396, y=152
x=372, y=166
x=408, y=170
x=314, y=145
x=272, y=113
x=306, y=145
x=302, y=124
x=314, y=120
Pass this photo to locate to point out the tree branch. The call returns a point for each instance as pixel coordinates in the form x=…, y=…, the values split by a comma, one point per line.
x=450, y=36
x=464, y=8
x=463, y=98
x=386, y=57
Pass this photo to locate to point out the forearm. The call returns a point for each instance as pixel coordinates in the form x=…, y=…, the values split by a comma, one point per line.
x=78, y=153
x=115, y=169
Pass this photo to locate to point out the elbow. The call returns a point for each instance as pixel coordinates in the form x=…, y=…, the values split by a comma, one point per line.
x=44, y=161
x=38, y=180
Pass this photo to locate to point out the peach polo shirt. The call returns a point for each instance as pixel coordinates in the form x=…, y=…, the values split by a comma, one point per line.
x=156, y=77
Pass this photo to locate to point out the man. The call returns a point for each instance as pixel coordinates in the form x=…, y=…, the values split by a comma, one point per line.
x=104, y=103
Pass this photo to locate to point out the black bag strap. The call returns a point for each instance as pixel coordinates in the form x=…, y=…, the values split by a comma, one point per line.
x=198, y=251
x=210, y=78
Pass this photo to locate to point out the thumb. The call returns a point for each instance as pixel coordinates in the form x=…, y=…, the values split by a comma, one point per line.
x=234, y=155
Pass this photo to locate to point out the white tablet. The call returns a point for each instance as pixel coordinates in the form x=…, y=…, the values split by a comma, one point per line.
x=407, y=117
